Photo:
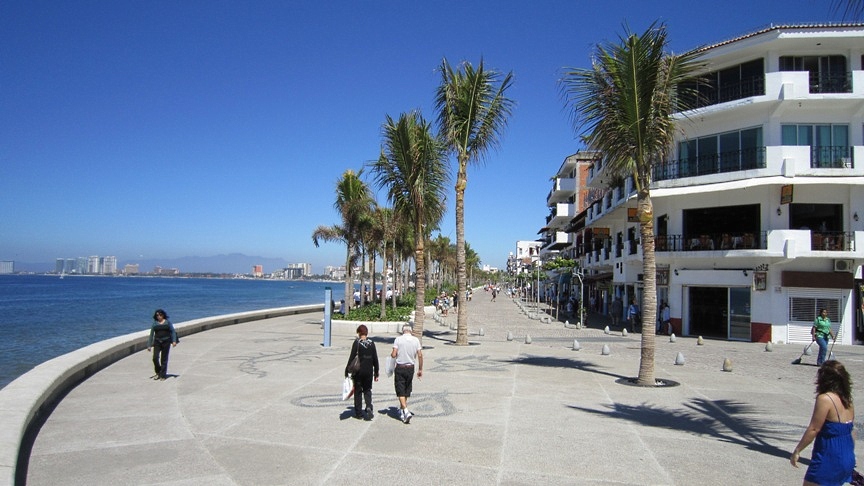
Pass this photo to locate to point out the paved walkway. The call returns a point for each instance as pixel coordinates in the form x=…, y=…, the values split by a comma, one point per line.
x=258, y=404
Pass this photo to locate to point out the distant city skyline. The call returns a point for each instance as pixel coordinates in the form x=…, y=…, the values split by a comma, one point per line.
x=162, y=130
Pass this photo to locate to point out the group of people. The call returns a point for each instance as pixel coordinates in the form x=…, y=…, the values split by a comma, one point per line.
x=830, y=429
x=408, y=354
x=443, y=302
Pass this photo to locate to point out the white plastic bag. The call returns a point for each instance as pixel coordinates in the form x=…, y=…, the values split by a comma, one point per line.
x=389, y=366
x=347, y=388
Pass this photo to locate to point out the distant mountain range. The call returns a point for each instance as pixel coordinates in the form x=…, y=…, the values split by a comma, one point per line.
x=232, y=263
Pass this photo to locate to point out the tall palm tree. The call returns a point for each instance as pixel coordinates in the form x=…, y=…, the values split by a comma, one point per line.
x=385, y=231
x=473, y=110
x=624, y=103
x=852, y=9
x=352, y=202
x=413, y=171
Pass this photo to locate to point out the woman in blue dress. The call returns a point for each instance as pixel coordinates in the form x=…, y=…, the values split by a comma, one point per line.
x=830, y=429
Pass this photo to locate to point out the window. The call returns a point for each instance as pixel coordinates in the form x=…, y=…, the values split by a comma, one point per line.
x=725, y=152
x=805, y=309
x=732, y=83
x=829, y=144
x=827, y=73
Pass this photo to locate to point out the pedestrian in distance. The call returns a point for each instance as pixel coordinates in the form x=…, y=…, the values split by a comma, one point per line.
x=821, y=332
x=830, y=430
x=617, y=310
x=162, y=338
x=633, y=315
x=408, y=353
x=665, y=319
x=365, y=349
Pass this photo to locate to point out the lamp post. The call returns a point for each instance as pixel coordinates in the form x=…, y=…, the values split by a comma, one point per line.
x=577, y=272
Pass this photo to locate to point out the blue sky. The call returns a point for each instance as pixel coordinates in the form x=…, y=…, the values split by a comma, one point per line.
x=164, y=129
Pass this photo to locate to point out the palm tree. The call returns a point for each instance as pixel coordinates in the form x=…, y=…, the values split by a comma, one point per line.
x=625, y=102
x=385, y=231
x=412, y=170
x=852, y=9
x=473, y=110
x=352, y=202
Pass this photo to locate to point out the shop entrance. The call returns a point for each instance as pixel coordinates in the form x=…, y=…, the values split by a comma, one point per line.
x=708, y=316
x=720, y=312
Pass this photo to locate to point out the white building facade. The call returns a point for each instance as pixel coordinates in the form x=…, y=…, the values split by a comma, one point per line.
x=758, y=216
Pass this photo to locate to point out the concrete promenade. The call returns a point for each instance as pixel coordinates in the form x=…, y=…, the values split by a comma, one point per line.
x=258, y=404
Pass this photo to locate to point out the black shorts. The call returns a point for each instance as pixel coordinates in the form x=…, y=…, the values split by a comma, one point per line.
x=403, y=377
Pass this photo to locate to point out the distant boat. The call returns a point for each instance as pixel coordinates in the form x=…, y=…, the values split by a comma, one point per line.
x=63, y=273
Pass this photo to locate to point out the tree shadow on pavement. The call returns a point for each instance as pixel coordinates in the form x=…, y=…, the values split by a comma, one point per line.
x=553, y=362
x=726, y=420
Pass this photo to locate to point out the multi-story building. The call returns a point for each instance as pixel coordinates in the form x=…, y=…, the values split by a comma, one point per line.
x=757, y=215
x=569, y=197
x=7, y=267
x=109, y=265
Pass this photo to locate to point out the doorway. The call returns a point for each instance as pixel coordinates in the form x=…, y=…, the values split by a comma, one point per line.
x=708, y=311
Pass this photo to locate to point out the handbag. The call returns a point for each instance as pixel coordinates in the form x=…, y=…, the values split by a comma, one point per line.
x=390, y=366
x=347, y=388
x=857, y=479
x=354, y=365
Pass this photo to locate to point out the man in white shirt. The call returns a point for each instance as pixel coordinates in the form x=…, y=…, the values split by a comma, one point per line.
x=408, y=353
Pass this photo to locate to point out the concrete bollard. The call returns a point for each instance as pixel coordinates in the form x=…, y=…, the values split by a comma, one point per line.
x=605, y=351
x=527, y=339
x=509, y=336
x=727, y=364
x=567, y=323
x=606, y=330
x=624, y=332
x=679, y=359
x=576, y=345
x=672, y=338
x=769, y=347
x=700, y=341
x=481, y=332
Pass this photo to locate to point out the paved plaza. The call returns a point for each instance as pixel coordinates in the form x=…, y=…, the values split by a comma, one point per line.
x=259, y=404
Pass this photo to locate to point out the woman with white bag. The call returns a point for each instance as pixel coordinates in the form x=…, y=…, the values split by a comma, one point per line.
x=364, y=350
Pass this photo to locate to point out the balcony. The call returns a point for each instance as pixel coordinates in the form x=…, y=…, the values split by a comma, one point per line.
x=710, y=242
x=556, y=241
x=562, y=189
x=786, y=160
x=738, y=160
x=830, y=83
x=559, y=215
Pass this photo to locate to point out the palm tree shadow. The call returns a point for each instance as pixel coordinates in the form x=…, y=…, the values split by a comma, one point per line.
x=726, y=420
x=553, y=362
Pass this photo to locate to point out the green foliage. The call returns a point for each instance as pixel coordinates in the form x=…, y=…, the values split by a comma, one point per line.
x=372, y=313
x=559, y=262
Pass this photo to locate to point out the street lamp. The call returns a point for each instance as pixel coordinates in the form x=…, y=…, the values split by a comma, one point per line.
x=577, y=272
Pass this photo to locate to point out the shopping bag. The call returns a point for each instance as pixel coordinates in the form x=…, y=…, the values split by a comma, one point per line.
x=389, y=366
x=347, y=388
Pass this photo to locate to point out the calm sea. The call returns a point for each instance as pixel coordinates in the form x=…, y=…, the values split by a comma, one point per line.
x=43, y=317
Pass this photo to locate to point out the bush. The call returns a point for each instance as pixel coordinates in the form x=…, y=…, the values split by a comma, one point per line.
x=372, y=313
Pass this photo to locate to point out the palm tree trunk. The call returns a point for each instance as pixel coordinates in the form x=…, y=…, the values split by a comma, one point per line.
x=420, y=286
x=649, y=294
x=462, y=310
x=384, y=284
x=349, y=281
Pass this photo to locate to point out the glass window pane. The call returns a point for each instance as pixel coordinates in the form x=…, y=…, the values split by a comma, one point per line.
x=790, y=134
x=805, y=135
x=840, y=135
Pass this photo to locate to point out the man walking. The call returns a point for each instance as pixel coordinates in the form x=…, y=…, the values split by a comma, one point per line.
x=409, y=355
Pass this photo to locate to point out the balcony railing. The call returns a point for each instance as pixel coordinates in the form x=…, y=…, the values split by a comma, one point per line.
x=832, y=241
x=709, y=242
x=746, y=159
x=830, y=83
x=729, y=92
x=831, y=157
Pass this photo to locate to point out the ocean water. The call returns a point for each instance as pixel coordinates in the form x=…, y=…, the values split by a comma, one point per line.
x=42, y=317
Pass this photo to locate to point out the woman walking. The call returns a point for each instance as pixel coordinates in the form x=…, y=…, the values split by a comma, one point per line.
x=365, y=349
x=821, y=332
x=162, y=337
x=833, y=457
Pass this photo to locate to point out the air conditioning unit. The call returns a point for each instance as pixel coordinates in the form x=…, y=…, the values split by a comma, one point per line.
x=842, y=265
